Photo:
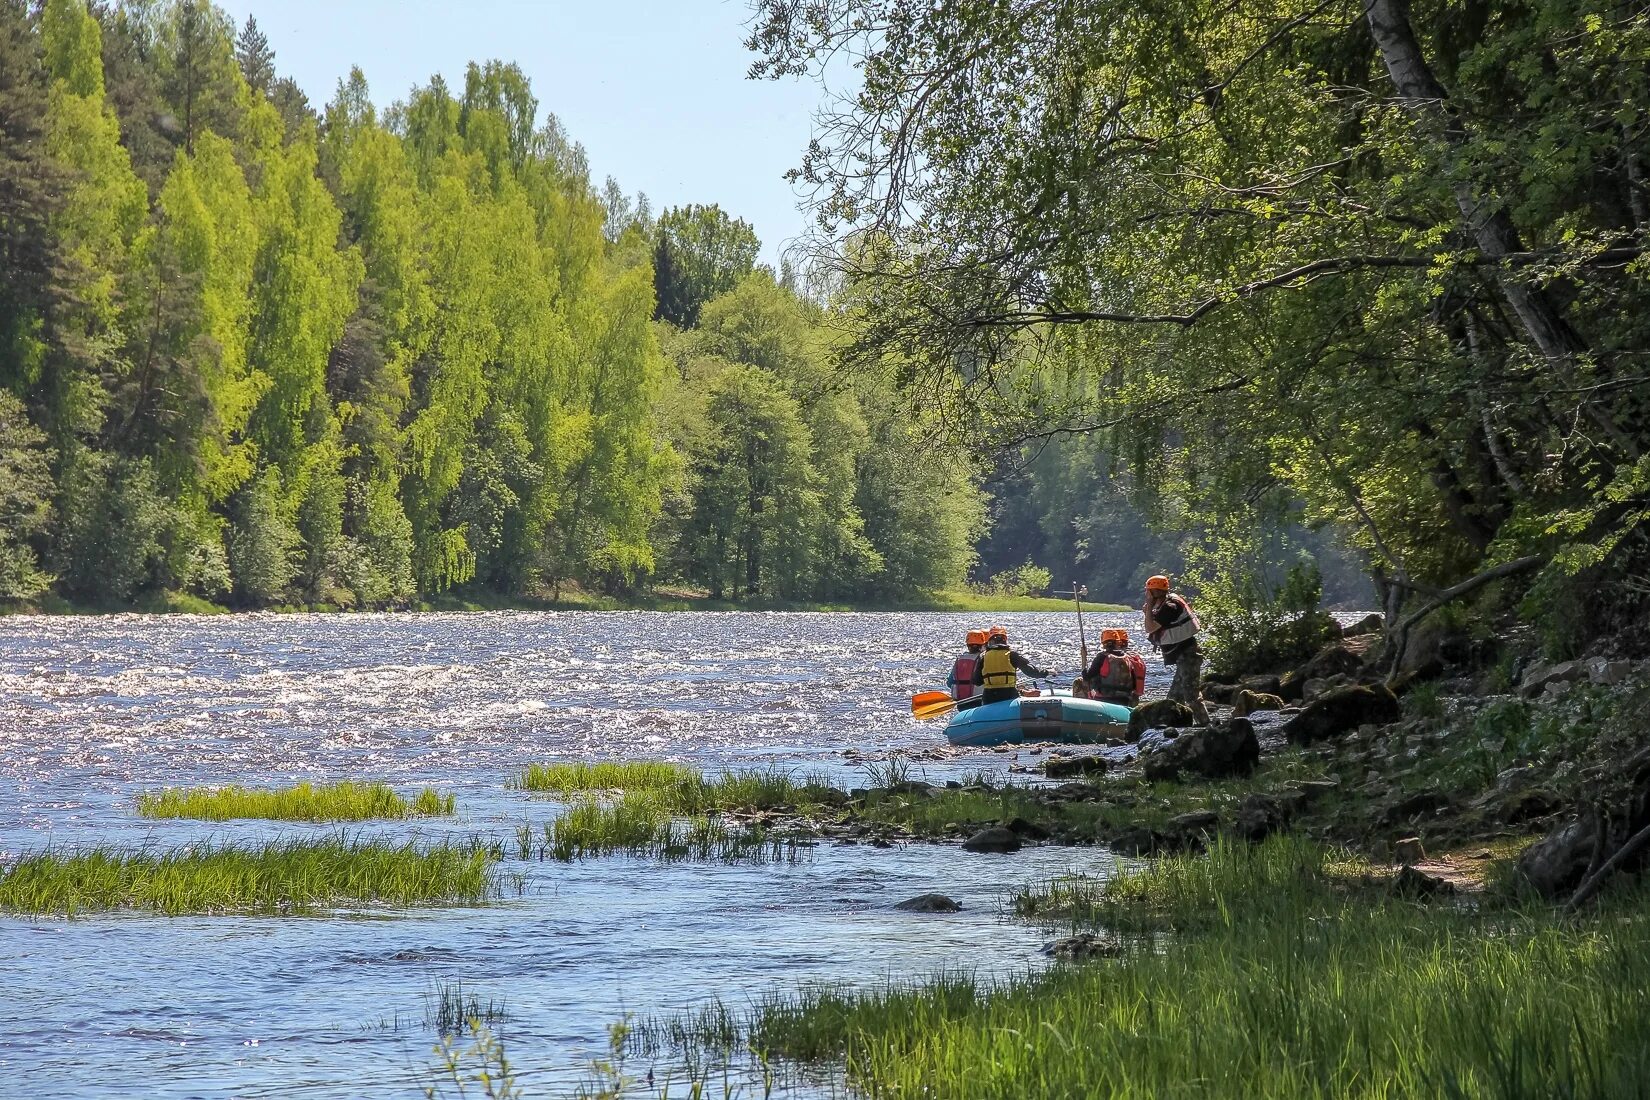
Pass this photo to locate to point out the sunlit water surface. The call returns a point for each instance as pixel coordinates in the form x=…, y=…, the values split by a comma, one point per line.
x=97, y=709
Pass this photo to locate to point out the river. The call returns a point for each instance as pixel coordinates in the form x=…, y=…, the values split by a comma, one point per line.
x=98, y=709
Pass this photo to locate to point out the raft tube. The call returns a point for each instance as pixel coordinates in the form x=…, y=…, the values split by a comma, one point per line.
x=1045, y=717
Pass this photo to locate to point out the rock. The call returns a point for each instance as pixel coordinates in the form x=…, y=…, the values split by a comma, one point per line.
x=1027, y=830
x=1334, y=714
x=1432, y=646
x=1159, y=714
x=1540, y=677
x=1601, y=671
x=1405, y=807
x=1261, y=685
x=1248, y=702
x=1073, y=792
x=1258, y=816
x=1554, y=865
x=1343, y=657
x=1310, y=790
x=1087, y=945
x=1409, y=850
x=1372, y=623
x=1412, y=883
x=1226, y=749
x=1197, y=821
x=1137, y=840
x=1220, y=693
x=994, y=839
x=910, y=786
x=930, y=903
x=1064, y=767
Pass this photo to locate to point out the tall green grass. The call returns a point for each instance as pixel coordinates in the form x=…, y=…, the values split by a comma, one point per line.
x=294, y=876
x=574, y=778
x=681, y=788
x=647, y=824
x=1290, y=977
x=344, y=801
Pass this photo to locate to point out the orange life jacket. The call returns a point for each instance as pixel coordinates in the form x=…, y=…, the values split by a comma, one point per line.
x=962, y=676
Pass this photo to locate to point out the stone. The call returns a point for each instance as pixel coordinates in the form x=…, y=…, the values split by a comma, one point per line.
x=930, y=903
x=1261, y=685
x=1409, y=850
x=1540, y=677
x=1159, y=714
x=1225, y=749
x=994, y=839
x=1136, y=840
x=1554, y=865
x=1411, y=882
x=1027, y=830
x=910, y=786
x=1408, y=806
x=1064, y=767
x=1258, y=816
x=1196, y=821
x=1601, y=671
x=1085, y=946
x=1431, y=647
x=1310, y=790
x=1248, y=702
x=1372, y=623
x=1223, y=694
x=1341, y=711
x=1343, y=657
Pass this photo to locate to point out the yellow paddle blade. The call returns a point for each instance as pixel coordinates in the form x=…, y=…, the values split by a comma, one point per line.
x=924, y=699
x=935, y=709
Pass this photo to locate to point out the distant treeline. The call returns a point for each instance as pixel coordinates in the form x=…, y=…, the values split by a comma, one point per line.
x=265, y=354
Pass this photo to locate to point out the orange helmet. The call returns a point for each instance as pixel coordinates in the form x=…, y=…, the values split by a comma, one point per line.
x=1121, y=636
x=997, y=632
x=1158, y=583
x=1107, y=635
x=977, y=637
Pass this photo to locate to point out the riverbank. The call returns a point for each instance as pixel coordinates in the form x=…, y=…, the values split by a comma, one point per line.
x=163, y=603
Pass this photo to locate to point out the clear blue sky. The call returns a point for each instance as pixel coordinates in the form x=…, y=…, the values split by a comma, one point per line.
x=655, y=90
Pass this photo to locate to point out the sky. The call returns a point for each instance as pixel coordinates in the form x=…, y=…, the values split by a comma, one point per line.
x=655, y=90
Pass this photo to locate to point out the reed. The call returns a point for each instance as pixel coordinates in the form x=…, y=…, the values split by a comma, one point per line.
x=1290, y=977
x=680, y=787
x=451, y=1009
x=346, y=801
x=645, y=824
x=575, y=778
x=295, y=876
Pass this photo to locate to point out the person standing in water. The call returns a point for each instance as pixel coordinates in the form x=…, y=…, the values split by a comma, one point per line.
x=1172, y=626
x=961, y=680
x=999, y=668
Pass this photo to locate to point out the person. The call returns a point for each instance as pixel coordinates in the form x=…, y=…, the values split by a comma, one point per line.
x=1172, y=626
x=961, y=680
x=999, y=668
x=1116, y=674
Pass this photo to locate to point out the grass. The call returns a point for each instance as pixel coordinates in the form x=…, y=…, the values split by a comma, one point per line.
x=297, y=876
x=1288, y=980
x=568, y=779
x=453, y=1010
x=646, y=823
x=333, y=802
x=682, y=788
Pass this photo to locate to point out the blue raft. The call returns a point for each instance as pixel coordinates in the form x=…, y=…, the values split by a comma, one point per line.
x=1045, y=717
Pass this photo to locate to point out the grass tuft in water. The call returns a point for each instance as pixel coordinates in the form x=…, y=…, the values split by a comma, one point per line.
x=570, y=779
x=645, y=823
x=344, y=801
x=451, y=1009
x=297, y=876
x=1280, y=948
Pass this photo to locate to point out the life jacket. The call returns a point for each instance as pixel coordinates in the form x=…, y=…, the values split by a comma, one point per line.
x=1184, y=630
x=1116, y=677
x=997, y=668
x=962, y=676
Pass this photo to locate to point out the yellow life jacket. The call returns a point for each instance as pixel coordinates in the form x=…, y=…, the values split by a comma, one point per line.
x=997, y=669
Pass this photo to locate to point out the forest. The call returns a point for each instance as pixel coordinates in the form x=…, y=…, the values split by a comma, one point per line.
x=259, y=353
x=1366, y=266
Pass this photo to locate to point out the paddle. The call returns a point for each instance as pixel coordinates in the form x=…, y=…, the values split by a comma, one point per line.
x=931, y=704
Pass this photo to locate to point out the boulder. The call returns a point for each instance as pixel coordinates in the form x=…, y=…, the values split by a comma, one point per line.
x=1159, y=714
x=1334, y=714
x=1310, y=790
x=1225, y=749
x=995, y=839
x=1223, y=694
x=1248, y=702
x=1258, y=816
x=1137, y=840
x=1372, y=623
x=930, y=903
x=1261, y=685
x=1408, y=806
x=1342, y=657
x=1539, y=677
x=1196, y=821
x=1412, y=883
x=1085, y=946
x=1517, y=797
x=1409, y=850
x=1064, y=767
x=1431, y=647
x=1602, y=671
x=1027, y=830
x=1554, y=865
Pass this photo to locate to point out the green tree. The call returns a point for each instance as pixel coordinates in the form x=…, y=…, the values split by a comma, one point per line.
x=698, y=253
x=25, y=501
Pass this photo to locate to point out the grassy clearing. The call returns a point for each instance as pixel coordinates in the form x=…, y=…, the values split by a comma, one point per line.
x=296, y=876
x=332, y=802
x=1288, y=980
x=647, y=824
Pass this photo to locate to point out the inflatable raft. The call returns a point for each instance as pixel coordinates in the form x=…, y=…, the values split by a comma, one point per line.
x=1045, y=717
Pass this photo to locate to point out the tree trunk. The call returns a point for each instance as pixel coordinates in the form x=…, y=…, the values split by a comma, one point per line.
x=1491, y=228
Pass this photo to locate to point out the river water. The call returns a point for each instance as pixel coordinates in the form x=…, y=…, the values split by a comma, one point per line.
x=96, y=710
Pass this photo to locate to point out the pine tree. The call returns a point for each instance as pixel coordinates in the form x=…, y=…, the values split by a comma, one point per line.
x=256, y=59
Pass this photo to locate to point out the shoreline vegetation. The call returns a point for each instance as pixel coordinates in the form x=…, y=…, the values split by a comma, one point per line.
x=174, y=603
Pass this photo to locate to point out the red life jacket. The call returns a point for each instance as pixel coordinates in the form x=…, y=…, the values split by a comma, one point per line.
x=962, y=676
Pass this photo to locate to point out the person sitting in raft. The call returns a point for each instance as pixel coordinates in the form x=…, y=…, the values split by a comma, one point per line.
x=961, y=680
x=1172, y=626
x=1117, y=675
x=999, y=668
